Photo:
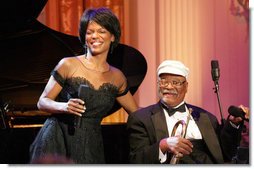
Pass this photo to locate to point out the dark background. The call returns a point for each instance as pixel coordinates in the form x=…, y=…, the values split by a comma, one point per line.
x=15, y=142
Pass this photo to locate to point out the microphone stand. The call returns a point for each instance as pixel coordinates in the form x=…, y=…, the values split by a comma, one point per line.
x=216, y=90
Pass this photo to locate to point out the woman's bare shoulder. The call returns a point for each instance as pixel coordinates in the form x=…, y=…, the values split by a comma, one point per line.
x=118, y=75
x=68, y=61
x=115, y=70
x=67, y=65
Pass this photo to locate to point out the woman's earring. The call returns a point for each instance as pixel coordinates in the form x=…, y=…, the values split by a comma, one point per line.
x=111, y=48
x=85, y=48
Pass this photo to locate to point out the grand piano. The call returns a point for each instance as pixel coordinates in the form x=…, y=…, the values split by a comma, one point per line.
x=29, y=51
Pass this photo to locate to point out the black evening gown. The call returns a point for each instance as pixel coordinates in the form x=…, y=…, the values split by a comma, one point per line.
x=84, y=144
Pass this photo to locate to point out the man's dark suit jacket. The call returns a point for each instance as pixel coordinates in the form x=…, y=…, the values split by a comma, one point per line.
x=147, y=126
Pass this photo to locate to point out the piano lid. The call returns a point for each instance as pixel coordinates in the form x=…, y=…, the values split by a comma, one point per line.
x=16, y=15
x=29, y=49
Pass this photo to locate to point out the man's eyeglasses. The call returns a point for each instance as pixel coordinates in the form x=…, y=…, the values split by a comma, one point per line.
x=174, y=83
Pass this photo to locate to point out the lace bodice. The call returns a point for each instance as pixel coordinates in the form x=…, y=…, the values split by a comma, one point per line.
x=98, y=102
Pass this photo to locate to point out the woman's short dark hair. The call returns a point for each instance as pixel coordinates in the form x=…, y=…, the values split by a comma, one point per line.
x=104, y=17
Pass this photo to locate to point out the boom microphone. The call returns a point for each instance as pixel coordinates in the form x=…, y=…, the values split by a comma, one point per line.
x=82, y=94
x=216, y=75
x=237, y=112
x=215, y=70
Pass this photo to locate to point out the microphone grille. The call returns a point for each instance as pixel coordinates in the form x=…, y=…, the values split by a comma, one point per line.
x=214, y=64
x=83, y=92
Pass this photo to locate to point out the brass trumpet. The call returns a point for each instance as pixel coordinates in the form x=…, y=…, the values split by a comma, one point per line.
x=175, y=159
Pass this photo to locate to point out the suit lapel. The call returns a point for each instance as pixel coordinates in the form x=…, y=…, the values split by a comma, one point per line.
x=209, y=136
x=159, y=122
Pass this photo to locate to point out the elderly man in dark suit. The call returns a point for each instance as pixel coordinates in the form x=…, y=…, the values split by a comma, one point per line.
x=203, y=141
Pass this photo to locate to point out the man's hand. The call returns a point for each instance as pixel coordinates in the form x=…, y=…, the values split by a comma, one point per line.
x=238, y=120
x=176, y=145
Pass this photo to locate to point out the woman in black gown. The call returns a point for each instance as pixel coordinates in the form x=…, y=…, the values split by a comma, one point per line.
x=99, y=34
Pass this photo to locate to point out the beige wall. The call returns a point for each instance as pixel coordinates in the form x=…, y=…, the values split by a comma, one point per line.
x=195, y=32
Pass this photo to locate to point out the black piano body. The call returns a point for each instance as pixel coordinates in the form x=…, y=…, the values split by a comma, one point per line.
x=29, y=51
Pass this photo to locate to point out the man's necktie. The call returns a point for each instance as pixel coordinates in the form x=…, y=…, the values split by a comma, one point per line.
x=171, y=110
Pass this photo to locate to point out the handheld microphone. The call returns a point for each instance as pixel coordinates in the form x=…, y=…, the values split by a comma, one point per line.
x=215, y=70
x=237, y=112
x=82, y=94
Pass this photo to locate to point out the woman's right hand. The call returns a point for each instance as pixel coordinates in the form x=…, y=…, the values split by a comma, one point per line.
x=75, y=106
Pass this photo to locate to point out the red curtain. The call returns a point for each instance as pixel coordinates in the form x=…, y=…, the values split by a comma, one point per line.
x=64, y=15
